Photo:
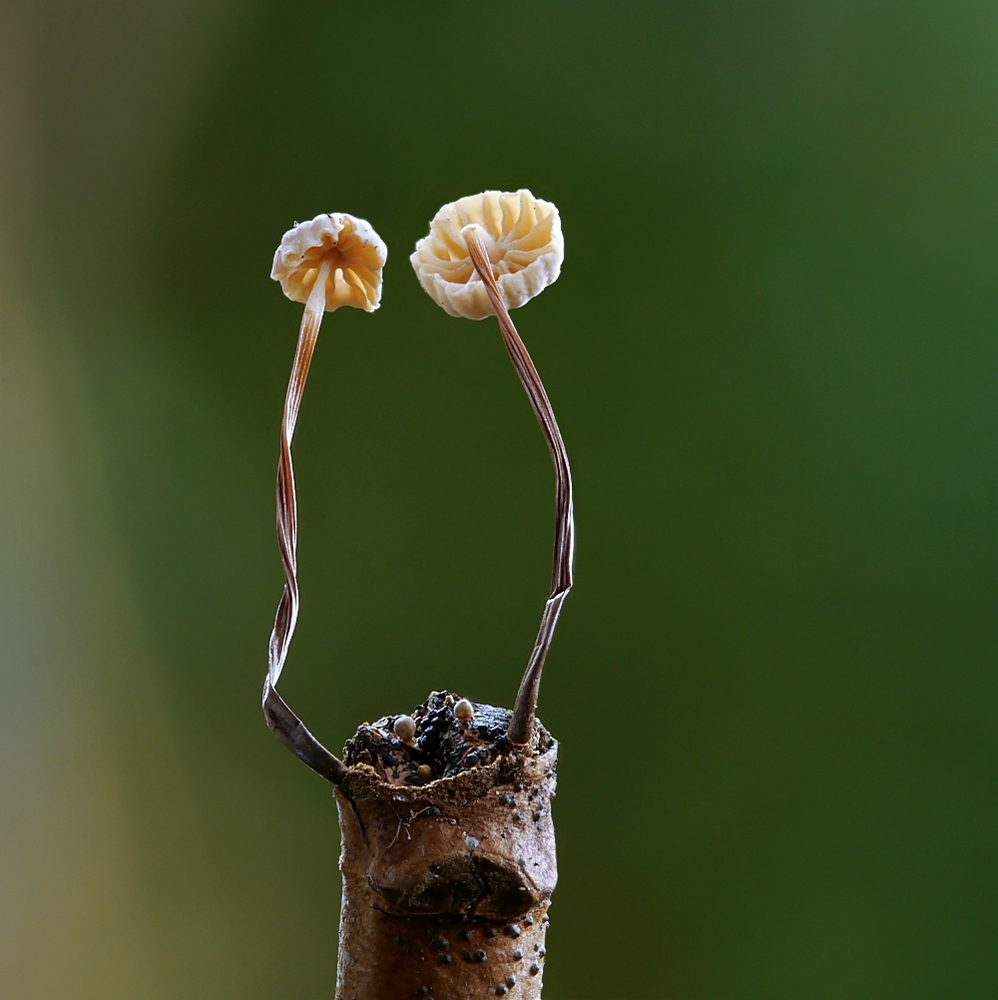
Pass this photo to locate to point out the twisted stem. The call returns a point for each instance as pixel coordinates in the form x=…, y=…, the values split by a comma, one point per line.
x=522, y=721
x=286, y=726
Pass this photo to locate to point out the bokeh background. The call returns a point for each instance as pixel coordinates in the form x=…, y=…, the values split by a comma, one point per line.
x=772, y=353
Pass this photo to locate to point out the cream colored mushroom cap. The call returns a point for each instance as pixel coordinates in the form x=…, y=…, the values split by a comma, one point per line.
x=356, y=254
x=522, y=235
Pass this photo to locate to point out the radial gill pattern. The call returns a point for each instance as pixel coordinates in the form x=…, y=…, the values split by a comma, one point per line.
x=522, y=235
x=356, y=254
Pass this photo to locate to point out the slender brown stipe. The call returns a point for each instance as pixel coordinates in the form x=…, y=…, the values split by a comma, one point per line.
x=288, y=728
x=522, y=720
x=332, y=261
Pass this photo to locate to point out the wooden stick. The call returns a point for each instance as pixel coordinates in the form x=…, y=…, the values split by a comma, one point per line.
x=445, y=886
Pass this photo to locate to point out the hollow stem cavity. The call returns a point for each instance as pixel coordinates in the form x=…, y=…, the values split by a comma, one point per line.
x=287, y=727
x=522, y=722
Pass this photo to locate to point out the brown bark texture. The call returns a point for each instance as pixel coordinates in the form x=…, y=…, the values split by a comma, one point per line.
x=448, y=858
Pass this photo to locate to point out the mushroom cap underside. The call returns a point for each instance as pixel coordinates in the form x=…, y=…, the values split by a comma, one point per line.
x=522, y=237
x=356, y=256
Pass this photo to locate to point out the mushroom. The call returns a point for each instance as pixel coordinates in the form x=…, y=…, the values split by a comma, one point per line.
x=334, y=260
x=523, y=242
x=484, y=255
x=405, y=728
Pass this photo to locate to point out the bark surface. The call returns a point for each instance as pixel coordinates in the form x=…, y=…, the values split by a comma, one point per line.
x=448, y=858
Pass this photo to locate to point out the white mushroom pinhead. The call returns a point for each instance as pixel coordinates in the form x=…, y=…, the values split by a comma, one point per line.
x=484, y=255
x=405, y=728
x=464, y=711
x=521, y=236
x=334, y=260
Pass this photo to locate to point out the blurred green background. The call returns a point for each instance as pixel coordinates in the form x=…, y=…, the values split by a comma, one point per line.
x=772, y=353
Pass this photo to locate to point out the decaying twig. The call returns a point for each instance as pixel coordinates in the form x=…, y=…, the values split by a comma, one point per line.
x=447, y=856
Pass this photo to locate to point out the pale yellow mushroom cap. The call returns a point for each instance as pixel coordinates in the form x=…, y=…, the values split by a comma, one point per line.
x=356, y=254
x=522, y=236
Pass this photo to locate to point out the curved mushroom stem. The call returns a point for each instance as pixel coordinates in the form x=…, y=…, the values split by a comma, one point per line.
x=286, y=726
x=522, y=722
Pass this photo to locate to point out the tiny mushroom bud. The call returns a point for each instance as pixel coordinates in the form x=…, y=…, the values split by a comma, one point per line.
x=484, y=255
x=334, y=260
x=464, y=711
x=405, y=728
